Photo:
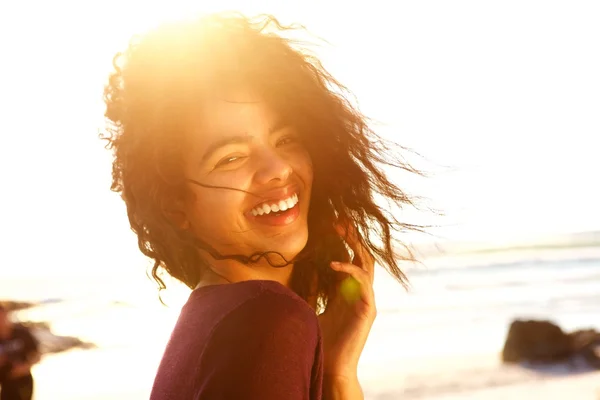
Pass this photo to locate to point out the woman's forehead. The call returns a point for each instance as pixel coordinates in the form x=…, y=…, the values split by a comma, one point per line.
x=234, y=113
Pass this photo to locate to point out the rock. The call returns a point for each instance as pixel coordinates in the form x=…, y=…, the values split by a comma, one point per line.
x=49, y=342
x=536, y=341
x=10, y=305
x=545, y=342
x=591, y=352
x=581, y=339
x=52, y=343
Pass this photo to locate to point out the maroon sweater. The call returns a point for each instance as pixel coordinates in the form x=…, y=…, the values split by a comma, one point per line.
x=247, y=340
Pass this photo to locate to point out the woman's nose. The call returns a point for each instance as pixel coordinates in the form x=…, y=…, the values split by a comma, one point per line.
x=272, y=167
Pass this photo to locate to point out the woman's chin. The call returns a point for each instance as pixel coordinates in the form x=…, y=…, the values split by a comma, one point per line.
x=286, y=246
x=278, y=249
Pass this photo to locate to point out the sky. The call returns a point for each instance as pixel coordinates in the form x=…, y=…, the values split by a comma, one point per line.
x=501, y=99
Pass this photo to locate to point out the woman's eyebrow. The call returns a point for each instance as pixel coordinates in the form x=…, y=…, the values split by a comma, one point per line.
x=278, y=125
x=224, y=142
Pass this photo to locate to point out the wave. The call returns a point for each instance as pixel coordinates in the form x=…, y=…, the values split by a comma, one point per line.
x=467, y=380
x=39, y=316
x=458, y=287
x=576, y=240
x=492, y=264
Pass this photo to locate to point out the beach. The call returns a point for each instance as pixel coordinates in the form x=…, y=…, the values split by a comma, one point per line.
x=440, y=340
x=499, y=100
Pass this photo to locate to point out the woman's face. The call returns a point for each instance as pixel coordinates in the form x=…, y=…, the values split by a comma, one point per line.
x=241, y=143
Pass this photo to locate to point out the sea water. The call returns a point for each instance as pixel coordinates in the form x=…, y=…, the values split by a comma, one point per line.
x=441, y=337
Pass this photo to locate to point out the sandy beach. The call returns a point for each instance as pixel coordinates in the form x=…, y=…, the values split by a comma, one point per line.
x=121, y=374
x=440, y=340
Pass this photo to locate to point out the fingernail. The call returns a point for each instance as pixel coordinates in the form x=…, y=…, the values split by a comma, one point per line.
x=336, y=264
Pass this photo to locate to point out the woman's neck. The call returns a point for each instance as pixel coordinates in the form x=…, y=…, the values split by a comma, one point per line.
x=229, y=271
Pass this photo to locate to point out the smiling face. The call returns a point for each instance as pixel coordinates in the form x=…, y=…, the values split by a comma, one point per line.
x=243, y=145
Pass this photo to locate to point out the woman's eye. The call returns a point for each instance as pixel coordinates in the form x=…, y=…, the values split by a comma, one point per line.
x=228, y=160
x=290, y=139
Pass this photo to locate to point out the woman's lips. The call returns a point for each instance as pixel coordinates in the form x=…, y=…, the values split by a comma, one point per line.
x=275, y=205
x=279, y=218
x=276, y=217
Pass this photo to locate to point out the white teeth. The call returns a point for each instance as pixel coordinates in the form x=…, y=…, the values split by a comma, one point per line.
x=282, y=205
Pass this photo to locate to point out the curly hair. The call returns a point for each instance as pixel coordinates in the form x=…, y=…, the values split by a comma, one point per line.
x=159, y=81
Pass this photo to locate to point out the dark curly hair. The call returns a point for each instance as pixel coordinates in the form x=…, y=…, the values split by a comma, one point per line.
x=159, y=81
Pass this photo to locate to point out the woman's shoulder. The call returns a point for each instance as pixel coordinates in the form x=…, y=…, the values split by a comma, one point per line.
x=261, y=303
x=274, y=316
x=252, y=291
x=273, y=336
x=276, y=299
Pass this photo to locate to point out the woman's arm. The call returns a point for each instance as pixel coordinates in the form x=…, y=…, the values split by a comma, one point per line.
x=342, y=388
x=347, y=320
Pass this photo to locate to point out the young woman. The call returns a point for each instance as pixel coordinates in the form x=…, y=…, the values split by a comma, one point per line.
x=251, y=179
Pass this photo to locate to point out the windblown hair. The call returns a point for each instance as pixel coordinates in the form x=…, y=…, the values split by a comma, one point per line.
x=161, y=79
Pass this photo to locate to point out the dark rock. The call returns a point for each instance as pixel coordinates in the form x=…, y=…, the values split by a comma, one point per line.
x=10, y=305
x=49, y=342
x=545, y=342
x=581, y=339
x=591, y=352
x=52, y=343
x=536, y=341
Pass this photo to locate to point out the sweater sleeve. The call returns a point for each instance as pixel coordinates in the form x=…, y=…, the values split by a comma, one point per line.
x=265, y=349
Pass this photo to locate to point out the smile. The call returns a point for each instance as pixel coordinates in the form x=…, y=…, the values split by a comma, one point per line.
x=271, y=206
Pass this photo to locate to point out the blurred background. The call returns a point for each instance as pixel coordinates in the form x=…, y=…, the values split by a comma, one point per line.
x=500, y=99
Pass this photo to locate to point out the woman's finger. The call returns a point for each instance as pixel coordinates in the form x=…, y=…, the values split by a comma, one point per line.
x=356, y=286
x=356, y=272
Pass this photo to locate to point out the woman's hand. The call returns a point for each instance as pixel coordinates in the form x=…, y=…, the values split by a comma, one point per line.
x=350, y=312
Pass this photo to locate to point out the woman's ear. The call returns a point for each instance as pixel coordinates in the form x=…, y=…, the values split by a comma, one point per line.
x=179, y=219
x=178, y=216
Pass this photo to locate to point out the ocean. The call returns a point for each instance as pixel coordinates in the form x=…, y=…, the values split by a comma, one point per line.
x=444, y=337
x=441, y=338
x=503, y=94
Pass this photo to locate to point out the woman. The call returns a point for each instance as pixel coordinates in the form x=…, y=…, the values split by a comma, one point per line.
x=249, y=178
